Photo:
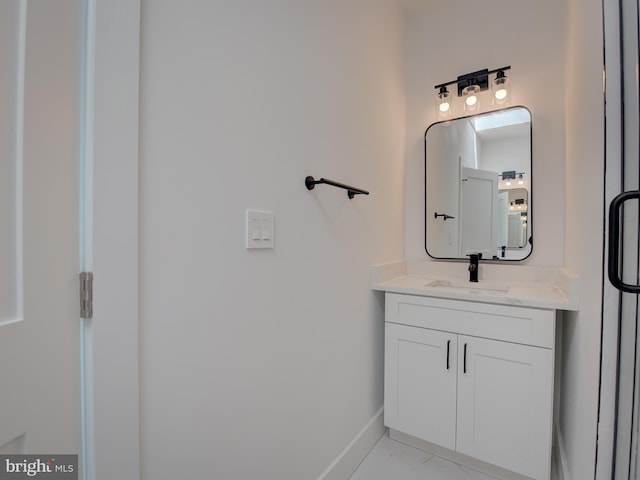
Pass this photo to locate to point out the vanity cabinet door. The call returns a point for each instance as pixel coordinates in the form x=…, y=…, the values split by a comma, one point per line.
x=420, y=383
x=504, y=404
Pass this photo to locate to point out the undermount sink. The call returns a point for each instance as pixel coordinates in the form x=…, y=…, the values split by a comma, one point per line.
x=469, y=287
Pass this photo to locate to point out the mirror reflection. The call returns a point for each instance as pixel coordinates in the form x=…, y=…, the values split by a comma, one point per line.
x=478, y=186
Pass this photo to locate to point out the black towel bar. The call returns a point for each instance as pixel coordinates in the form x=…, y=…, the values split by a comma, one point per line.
x=310, y=183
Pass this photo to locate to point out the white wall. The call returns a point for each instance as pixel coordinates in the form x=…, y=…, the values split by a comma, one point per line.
x=583, y=233
x=265, y=364
x=567, y=179
x=461, y=36
x=506, y=154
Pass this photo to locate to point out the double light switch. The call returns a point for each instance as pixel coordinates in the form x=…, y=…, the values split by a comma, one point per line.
x=260, y=232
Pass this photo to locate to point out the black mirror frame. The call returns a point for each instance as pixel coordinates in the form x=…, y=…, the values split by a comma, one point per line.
x=495, y=259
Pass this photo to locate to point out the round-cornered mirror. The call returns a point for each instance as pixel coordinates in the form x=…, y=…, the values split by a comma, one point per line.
x=478, y=186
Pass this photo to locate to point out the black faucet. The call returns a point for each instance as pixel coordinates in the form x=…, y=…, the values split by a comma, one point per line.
x=474, y=266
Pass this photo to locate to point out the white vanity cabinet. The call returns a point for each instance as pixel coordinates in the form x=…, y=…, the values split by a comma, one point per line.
x=474, y=378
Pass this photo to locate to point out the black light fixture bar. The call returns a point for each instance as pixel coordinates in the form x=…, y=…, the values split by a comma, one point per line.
x=480, y=78
x=510, y=175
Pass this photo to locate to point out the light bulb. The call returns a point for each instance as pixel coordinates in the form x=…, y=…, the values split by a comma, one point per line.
x=501, y=89
x=520, y=180
x=470, y=94
x=508, y=183
x=443, y=106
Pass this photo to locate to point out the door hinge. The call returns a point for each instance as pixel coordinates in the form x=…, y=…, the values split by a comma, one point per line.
x=86, y=294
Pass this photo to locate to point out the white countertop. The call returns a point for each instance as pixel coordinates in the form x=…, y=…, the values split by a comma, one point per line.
x=538, y=287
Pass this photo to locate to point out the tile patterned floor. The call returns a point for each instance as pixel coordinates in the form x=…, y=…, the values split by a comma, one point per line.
x=390, y=459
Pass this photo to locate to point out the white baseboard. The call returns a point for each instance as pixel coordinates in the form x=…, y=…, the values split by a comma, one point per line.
x=355, y=452
x=347, y=462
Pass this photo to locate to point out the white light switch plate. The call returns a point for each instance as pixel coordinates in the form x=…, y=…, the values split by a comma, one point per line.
x=260, y=232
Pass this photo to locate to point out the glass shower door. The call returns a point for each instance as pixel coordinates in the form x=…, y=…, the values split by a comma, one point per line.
x=619, y=420
x=623, y=275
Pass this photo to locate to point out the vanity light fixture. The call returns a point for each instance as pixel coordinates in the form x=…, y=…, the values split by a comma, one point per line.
x=470, y=95
x=469, y=86
x=501, y=89
x=443, y=103
x=518, y=204
x=510, y=175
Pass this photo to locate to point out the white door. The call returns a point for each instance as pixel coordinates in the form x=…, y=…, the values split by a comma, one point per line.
x=111, y=240
x=504, y=404
x=40, y=105
x=478, y=204
x=502, y=215
x=69, y=130
x=420, y=388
